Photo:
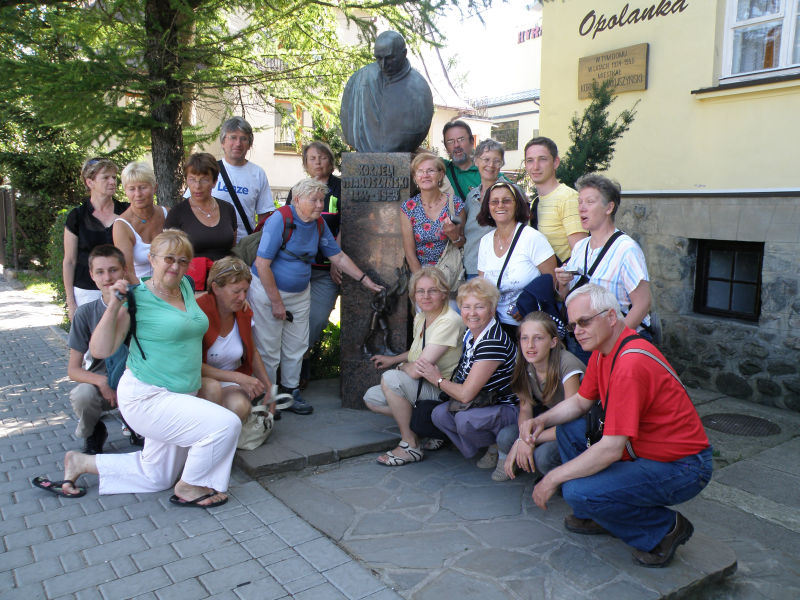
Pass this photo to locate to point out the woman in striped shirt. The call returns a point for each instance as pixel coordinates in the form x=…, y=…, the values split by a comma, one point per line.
x=483, y=375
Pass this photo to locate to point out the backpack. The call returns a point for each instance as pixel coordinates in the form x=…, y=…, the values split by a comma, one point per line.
x=247, y=247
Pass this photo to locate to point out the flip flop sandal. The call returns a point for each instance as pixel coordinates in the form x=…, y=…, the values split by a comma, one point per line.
x=195, y=503
x=414, y=455
x=56, y=487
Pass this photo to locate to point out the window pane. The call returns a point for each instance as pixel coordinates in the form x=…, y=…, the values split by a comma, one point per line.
x=796, y=51
x=720, y=263
x=757, y=47
x=744, y=298
x=747, y=267
x=719, y=293
x=507, y=134
x=752, y=9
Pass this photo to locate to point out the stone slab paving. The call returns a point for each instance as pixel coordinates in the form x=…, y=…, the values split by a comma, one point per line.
x=134, y=545
x=442, y=529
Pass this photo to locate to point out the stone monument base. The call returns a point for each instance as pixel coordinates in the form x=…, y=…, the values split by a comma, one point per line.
x=373, y=187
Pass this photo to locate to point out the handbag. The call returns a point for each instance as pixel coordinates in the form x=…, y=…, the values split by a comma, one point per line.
x=451, y=262
x=484, y=398
x=256, y=429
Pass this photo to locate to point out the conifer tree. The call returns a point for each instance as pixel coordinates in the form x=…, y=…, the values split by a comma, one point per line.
x=593, y=136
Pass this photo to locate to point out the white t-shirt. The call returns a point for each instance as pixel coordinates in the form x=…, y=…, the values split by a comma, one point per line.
x=226, y=351
x=252, y=189
x=532, y=249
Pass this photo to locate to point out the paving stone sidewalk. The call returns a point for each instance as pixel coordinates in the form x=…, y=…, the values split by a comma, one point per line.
x=133, y=545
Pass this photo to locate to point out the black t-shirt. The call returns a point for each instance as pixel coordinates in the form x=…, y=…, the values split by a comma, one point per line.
x=331, y=205
x=90, y=233
x=211, y=242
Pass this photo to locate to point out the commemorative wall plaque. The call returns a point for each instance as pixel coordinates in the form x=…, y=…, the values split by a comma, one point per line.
x=373, y=187
x=626, y=68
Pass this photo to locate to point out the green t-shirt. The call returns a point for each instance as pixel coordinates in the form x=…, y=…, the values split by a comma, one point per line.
x=466, y=179
x=171, y=339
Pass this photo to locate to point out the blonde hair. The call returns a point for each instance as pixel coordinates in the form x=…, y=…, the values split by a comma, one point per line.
x=482, y=289
x=138, y=172
x=439, y=280
x=228, y=269
x=172, y=241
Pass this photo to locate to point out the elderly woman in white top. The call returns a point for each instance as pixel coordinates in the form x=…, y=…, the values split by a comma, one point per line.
x=622, y=269
x=134, y=229
x=489, y=158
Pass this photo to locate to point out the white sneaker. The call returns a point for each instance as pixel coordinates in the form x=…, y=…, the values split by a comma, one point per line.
x=489, y=460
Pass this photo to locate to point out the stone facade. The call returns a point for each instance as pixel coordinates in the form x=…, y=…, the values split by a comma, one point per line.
x=753, y=361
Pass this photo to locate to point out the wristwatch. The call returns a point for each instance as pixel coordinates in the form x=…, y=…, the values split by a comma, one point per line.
x=439, y=382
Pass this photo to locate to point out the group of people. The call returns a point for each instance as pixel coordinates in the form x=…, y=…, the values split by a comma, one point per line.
x=186, y=357
x=542, y=391
x=484, y=371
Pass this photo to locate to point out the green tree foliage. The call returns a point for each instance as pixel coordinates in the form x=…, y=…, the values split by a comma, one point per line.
x=593, y=136
x=130, y=71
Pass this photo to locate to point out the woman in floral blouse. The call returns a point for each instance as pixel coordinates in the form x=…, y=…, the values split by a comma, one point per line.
x=427, y=226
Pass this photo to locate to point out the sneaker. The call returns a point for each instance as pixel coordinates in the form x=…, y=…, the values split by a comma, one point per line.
x=489, y=460
x=662, y=554
x=94, y=443
x=583, y=526
x=300, y=407
x=499, y=473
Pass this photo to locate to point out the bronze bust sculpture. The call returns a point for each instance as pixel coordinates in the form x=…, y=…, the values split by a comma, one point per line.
x=387, y=106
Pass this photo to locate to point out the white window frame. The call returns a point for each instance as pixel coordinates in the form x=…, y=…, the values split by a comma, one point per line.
x=788, y=16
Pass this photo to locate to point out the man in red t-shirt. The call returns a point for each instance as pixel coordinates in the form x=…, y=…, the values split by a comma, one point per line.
x=653, y=452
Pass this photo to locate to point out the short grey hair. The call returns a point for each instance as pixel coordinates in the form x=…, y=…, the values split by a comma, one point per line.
x=490, y=145
x=609, y=190
x=306, y=187
x=600, y=298
x=236, y=124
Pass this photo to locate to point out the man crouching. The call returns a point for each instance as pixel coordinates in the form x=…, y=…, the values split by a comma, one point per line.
x=647, y=448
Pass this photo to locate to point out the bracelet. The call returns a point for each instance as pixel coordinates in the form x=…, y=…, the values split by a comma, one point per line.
x=362, y=277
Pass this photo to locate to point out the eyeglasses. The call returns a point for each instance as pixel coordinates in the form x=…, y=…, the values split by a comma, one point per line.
x=229, y=269
x=501, y=201
x=199, y=180
x=492, y=162
x=421, y=172
x=453, y=142
x=171, y=260
x=430, y=292
x=583, y=322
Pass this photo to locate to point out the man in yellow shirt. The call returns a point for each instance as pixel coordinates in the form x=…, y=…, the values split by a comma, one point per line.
x=554, y=210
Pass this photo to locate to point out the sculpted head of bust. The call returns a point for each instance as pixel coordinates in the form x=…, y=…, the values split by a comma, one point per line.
x=390, y=53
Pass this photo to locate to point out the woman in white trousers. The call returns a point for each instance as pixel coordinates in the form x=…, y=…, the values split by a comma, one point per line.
x=189, y=442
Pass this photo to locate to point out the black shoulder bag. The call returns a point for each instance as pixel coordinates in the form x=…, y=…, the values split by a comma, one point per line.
x=232, y=192
x=421, y=421
x=534, y=222
x=584, y=279
x=455, y=181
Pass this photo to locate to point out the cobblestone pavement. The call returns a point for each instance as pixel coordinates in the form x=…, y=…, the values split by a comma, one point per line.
x=133, y=545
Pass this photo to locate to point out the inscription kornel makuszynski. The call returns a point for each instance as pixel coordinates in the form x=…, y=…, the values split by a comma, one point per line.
x=376, y=183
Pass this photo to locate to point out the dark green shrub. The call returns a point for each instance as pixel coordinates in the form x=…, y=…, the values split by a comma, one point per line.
x=55, y=255
x=325, y=354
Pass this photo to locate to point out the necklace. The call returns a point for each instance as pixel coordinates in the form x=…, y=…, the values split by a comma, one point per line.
x=207, y=214
x=500, y=241
x=162, y=292
x=141, y=219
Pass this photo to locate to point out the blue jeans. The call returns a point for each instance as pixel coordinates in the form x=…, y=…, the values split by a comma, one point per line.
x=545, y=456
x=324, y=292
x=630, y=498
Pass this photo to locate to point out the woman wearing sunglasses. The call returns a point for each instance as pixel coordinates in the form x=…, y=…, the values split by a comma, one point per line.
x=187, y=439
x=514, y=254
x=280, y=291
x=233, y=373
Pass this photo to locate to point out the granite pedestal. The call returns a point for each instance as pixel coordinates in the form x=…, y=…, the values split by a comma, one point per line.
x=373, y=187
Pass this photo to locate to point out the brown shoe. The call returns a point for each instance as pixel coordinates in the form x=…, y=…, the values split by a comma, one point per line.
x=662, y=554
x=583, y=526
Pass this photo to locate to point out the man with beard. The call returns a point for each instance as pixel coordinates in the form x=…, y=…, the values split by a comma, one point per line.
x=461, y=170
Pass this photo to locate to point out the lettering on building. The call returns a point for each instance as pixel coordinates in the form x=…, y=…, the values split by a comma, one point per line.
x=529, y=34
x=594, y=23
x=376, y=183
x=625, y=68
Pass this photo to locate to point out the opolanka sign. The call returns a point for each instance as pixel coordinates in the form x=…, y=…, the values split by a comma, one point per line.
x=626, y=68
x=594, y=23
